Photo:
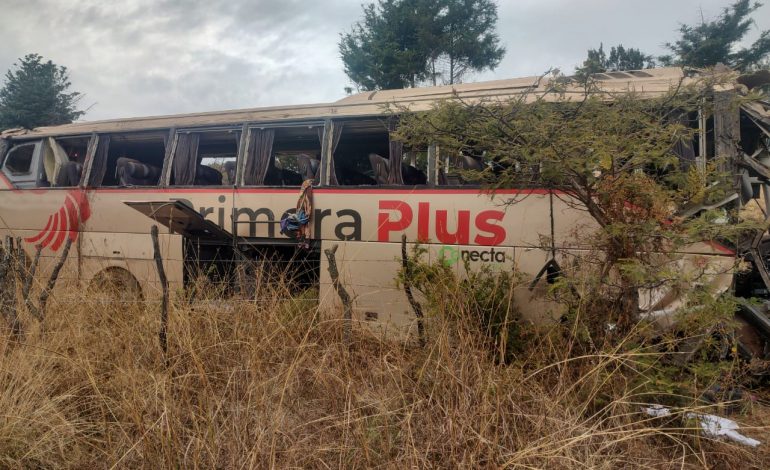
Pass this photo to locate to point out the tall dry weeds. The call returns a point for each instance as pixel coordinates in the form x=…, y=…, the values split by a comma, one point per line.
x=269, y=383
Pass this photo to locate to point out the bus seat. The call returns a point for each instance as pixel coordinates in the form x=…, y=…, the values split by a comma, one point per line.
x=273, y=177
x=291, y=178
x=308, y=167
x=69, y=174
x=132, y=172
x=469, y=163
x=466, y=162
x=53, y=159
x=207, y=176
x=412, y=175
x=454, y=180
x=350, y=177
x=381, y=167
x=230, y=171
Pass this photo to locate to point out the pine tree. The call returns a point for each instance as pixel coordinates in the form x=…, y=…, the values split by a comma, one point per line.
x=619, y=59
x=401, y=43
x=36, y=94
x=466, y=38
x=713, y=42
x=385, y=50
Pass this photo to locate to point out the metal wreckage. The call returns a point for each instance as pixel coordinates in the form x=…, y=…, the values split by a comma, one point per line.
x=220, y=181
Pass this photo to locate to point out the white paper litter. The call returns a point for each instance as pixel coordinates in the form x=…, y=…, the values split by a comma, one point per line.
x=717, y=426
x=712, y=425
x=657, y=411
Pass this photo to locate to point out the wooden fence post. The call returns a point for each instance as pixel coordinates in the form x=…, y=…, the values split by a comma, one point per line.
x=163, y=333
x=52, y=280
x=30, y=278
x=7, y=282
x=408, y=289
x=344, y=296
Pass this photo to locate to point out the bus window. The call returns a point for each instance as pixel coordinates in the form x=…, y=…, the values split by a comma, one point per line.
x=414, y=167
x=19, y=159
x=364, y=154
x=361, y=154
x=134, y=159
x=296, y=156
x=205, y=158
x=21, y=165
x=283, y=156
x=67, y=155
x=455, y=169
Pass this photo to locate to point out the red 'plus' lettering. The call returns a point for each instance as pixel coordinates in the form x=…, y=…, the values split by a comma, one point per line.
x=386, y=225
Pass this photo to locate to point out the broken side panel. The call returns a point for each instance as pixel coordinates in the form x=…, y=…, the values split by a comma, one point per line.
x=182, y=219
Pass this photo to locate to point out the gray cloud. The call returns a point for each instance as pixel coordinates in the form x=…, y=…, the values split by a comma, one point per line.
x=145, y=57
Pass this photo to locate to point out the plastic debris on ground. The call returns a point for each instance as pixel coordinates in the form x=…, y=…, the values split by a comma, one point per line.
x=712, y=425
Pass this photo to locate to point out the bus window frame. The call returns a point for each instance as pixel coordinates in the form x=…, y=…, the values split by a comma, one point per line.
x=170, y=156
x=31, y=178
x=4, y=148
x=242, y=162
x=433, y=166
x=93, y=145
x=327, y=149
x=389, y=124
x=86, y=159
x=92, y=152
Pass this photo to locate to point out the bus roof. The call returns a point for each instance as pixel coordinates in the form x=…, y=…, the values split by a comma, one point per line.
x=649, y=82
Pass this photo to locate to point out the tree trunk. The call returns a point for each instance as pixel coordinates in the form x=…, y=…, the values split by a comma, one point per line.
x=451, y=56
x=628, y=301
x=433, y=70
x=628, y=308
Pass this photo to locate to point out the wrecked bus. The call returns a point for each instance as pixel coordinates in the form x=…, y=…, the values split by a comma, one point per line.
x=220, y=184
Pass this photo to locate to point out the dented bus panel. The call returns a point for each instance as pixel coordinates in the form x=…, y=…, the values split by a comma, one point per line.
x=219, y=184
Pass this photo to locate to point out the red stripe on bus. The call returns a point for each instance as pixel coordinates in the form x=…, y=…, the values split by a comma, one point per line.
x=72, y=217
x=61, y=230
x=226, y=190
x=6, y=180
x=42, y=233
x=51, y=232
x=720, y=247
x=321, y=191
x=434, y=191
x=84, y=207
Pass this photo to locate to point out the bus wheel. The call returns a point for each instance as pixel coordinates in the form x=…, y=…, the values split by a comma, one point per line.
x=115, y=285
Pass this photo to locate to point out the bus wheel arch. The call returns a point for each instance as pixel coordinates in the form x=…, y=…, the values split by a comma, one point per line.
x=118, y=282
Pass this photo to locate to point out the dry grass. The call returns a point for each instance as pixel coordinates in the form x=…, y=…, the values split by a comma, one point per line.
x=269, y=384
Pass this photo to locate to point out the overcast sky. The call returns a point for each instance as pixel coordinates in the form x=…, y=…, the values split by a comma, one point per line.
x=143, y=57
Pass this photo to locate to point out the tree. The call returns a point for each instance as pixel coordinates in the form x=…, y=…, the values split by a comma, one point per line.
x=401, y=43
x=713, y=42
x=621, y=163
x=620, y=59
x=465, y=39
x=37, y=94
x=385, y=50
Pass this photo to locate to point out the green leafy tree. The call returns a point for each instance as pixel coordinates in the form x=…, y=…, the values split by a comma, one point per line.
x=619, y=162
x=713, y=42
x=385, y=49
x=465, y=39
x=401, y=43
x=619, y=59
x=628, y=59
x=37, y=94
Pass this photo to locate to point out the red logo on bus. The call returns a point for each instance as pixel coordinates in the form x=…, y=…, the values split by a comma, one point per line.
x=485, y=224
x=64, y=223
